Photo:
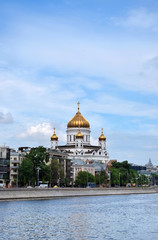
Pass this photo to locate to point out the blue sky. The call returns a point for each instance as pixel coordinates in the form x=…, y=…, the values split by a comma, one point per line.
x=101, y=53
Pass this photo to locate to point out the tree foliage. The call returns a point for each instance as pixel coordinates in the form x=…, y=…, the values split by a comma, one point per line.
x=142, y=180
x=56, y=172
x=121, y=174
x=28, y=169
x=101, y=178
x=83, y=178
x=25, y=172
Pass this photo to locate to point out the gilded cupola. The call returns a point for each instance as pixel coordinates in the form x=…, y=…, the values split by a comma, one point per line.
x=102, y=137
x=54, y=136
x=79, y=135
x=78, y=121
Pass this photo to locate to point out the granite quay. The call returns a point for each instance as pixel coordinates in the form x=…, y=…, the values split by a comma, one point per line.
x=49, y=193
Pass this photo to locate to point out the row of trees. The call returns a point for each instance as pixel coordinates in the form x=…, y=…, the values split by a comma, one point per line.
x=36, y=161
x=121, y=174
x=35, y=166
x=85, y=178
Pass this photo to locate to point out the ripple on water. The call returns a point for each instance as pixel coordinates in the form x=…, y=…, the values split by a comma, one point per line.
x=101, y=217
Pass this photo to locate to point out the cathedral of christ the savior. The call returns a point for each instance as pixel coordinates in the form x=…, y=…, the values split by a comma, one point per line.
x=78, y=142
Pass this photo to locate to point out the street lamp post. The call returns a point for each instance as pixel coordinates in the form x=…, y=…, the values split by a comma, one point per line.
x=119, y=179
x=17, y=178
x=87, y=177
x=38, y=168
x=109, y=178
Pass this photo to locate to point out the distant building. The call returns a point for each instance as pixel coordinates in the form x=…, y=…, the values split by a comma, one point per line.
x=65, y=162
x=138, y=167
x=81, y=166
x=16, y=158
x=109, y=165
x=4, y=165
x=149, y=165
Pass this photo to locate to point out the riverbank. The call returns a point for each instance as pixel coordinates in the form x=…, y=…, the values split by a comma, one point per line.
x=50, y=193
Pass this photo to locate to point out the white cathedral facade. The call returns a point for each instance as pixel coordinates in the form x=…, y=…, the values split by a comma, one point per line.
x=78, y=141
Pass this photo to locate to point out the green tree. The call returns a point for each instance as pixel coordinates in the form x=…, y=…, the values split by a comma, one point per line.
x=25, y=172
x=133, y=176
x=37, y=157
x=101, y=178
x=142, y=180
x=114, y=177
x=121, y=173
x=44, y=173
x=123, y=164
x=83, y=178
x=56, y=173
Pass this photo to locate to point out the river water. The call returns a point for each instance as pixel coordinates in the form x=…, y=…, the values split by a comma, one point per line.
x=132, y=217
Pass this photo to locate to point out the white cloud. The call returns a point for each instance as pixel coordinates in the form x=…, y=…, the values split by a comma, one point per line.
x=6, y=117
x=139, y=18
x=41, y=134
x=42, y=130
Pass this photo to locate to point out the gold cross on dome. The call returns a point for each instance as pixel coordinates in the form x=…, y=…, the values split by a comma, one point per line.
x=78, y=106
x=102, y=130
x=54, y=130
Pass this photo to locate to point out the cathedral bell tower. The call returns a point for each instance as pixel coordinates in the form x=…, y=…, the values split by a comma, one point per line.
x=54, y=141
x=102, y=141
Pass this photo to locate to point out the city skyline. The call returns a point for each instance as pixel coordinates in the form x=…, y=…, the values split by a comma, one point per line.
x=100, y=53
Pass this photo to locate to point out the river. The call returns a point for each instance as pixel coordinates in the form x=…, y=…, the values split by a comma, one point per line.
x=132, y=217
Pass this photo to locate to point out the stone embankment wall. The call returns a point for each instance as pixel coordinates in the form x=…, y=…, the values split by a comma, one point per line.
x=49, y=193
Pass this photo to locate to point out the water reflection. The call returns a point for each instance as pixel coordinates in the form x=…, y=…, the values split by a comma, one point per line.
x=102, y=217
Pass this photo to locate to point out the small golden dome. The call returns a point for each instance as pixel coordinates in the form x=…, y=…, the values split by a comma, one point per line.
x=79, y=135
x=54, y=136
x=102, y=137
x=78, y=121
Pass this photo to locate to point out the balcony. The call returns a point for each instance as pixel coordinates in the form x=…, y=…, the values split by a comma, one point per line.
x=13, y=173
x=14, y=161
x=13, y=167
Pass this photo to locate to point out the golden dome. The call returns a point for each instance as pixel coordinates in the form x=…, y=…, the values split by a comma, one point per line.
x=102, y=137
x=54, y=136
x=78, y=121
x=79, y=135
